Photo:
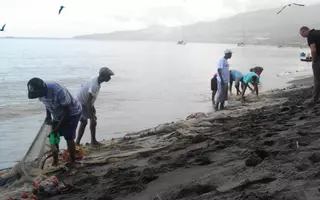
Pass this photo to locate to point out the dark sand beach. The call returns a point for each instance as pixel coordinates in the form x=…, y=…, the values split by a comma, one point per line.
x=265, y=149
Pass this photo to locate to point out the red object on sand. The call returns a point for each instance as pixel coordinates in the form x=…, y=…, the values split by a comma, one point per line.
x=55, y=180
x=33, y=197
x=79, y=154
x=65, y=155
x=10, y=198
x=24, y=195
x=35, y=185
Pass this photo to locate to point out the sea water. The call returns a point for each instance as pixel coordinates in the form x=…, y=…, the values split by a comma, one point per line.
x=154, y=82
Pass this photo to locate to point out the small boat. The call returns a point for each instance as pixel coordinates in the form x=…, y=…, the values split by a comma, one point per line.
x=307, y=59
x=182, y=42
x=240, y=44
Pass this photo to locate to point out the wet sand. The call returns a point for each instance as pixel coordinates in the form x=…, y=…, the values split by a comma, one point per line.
x=258, y=150
x=306, y=81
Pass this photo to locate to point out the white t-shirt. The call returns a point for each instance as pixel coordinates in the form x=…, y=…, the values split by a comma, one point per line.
x=224, y=66
x=89, y=87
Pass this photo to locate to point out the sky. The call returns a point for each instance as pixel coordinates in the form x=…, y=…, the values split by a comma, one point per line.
x=39, y=18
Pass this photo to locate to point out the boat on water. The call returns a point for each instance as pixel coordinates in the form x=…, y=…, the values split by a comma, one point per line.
x=182, y=42
x=307, y=59
x=183, y=39
x=242, y=41
x=241, y=44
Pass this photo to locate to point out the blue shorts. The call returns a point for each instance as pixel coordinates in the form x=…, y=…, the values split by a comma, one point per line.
x=69, y=128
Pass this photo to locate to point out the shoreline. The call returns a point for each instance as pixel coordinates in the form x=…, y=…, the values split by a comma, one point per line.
x=212, y=155
x=159, y=41
x=306, y=81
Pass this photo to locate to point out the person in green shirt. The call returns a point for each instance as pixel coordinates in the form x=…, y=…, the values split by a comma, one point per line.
x=252, y=78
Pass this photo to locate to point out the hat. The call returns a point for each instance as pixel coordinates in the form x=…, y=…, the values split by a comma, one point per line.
x=36, y=88
x=227, y=51
x=105, y=72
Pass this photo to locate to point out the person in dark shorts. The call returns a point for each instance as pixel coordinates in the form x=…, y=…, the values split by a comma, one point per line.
x=214, y=87
x=63, y=112
x=313, y=37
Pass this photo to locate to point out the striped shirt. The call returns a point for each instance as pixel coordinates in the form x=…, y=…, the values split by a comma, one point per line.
x=57, y=97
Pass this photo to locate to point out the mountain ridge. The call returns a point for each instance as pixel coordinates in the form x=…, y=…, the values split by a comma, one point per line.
x=263, y=27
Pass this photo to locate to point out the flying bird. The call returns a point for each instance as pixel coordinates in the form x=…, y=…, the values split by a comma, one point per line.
x=61, y=8
x=295, y=4
x=2, y=29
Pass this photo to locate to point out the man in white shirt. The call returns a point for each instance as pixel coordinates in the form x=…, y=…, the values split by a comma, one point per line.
x=223, y=79
x=87, y=95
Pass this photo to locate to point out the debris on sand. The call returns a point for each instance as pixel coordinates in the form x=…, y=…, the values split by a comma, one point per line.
x=253, y=161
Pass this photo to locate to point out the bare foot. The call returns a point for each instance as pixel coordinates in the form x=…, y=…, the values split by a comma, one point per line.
x=96, y=143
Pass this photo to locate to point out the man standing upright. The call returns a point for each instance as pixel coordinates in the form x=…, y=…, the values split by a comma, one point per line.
x=223, y=79
x=87, y=95
x=313, y=37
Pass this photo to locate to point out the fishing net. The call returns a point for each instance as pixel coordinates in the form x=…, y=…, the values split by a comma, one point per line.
x=30, y=167
x=33, y=161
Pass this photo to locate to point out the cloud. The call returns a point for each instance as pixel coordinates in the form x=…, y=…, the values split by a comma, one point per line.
x=39, y=17
x=167, y=15
x=250, y=5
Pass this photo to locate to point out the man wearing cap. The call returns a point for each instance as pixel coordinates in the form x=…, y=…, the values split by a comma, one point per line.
x=313, y=37
x=87, y=95
x=64, y=109
x=223, y=79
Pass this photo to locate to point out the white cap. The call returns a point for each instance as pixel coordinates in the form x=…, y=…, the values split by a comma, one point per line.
x=227, y=51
